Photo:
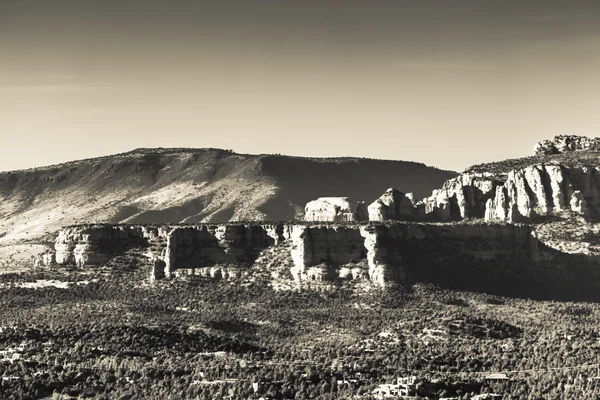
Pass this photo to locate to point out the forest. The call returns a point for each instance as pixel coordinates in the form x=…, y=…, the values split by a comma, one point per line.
x=113, y=335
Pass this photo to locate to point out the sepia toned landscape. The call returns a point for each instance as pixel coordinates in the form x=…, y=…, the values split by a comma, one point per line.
x=486, y=288
x=293, y=200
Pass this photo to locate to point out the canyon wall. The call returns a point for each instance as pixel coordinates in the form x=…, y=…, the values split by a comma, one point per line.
x=96, y=244
x=563, y=175
x=519, y=195
x=381, y=253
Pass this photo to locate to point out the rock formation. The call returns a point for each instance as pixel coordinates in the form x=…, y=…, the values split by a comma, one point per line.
x=566, y=143
x=45, y=259
x=393, y=205
x=532, y=188
x=335, y=209
x=539, y=190
x=380, y=253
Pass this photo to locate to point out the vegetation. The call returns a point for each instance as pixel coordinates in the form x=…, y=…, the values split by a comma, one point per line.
x=109, y=336
x=572, y=159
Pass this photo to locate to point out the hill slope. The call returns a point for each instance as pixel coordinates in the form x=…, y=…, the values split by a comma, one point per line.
x=190, y=185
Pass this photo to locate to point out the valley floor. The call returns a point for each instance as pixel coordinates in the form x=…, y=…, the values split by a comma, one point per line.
x=94, y=334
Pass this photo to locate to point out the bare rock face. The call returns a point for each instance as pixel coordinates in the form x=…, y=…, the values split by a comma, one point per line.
x=521, y=194
x=329, y=209
x=393, y=205
x=539, y=190
x=334, y=246
x=462, y=197
x=379, y=253
x=566, y=143
x=517, y=196
x=96, y=244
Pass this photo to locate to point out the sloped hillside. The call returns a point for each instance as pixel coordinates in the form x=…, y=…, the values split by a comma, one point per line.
x=190, y=185
x=569, y=151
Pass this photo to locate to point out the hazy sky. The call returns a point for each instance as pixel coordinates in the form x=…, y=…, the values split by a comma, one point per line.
x=447, y=83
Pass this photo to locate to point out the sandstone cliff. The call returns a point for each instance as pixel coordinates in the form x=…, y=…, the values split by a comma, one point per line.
x=564, y=176
x=393, y=205
x=381, y=253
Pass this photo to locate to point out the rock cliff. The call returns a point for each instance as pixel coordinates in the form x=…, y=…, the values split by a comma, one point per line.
x=563, y=176
x=95, y=244
x=518, y=196
x=393, y=205
x=381, y=253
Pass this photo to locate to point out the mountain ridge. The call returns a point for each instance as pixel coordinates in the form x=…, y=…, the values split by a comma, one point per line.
x=175, y=150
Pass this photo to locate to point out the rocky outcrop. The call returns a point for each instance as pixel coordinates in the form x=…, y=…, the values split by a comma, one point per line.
x=330, y=209
x=540, y=190
x=460, y=198
x=393, y=205
x=46, y=259
x=566, y=143
x=334, y=246
x=96, y=244
x=208, y=245
x=494, y=192
x=381, y=253
x=517, y=196
x=530, y=189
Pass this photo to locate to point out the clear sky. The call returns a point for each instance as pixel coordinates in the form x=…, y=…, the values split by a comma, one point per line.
x=447, y=83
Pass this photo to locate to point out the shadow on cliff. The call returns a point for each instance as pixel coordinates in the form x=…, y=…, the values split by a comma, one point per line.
x=557, y=276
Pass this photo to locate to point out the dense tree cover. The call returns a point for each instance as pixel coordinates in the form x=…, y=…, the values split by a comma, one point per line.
x=115, y=337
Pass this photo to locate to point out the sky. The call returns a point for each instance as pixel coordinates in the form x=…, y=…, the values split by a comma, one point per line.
x=446, y=83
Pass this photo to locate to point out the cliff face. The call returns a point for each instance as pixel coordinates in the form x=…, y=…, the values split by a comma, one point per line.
x=205, y=246
x=563, y=175
x=460, y=198
x=95, y=245
x=518, y=196
x=541, y=189
x=377, y=252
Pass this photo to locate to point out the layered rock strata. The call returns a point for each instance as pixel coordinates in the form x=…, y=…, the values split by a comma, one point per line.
x=96, y=244
x=381, y=253
x=518, y=196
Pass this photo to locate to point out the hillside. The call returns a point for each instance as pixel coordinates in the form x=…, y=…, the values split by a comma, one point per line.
x=569, y=151
x=188, y=185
